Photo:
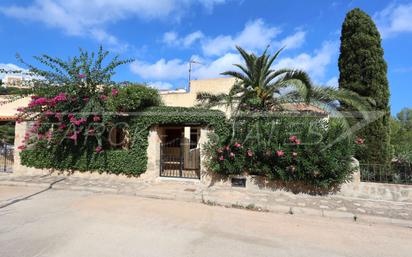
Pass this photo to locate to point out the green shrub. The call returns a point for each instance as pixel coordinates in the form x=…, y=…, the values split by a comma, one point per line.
x=134, y=97
x=287, y=149
x=132, y=162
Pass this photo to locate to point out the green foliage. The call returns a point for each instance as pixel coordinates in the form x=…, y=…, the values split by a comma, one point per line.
x=363, y=70
x=15, y=91
x=133, y=97
x=7, y=132
x=133, y=161
x=291, y=149
x=401, y=135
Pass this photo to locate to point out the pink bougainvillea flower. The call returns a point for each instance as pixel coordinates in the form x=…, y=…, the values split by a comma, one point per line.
x=62, y=126
x=232, y=155
x=227, y=148
x=359, y=141
x=103, y=97
x=237, y=145
x=297, y=142
x=294, y=154
x=293, y=138
x=40, y=136
x=221, y=158
x=115, y=91
x=74, y=136
x=61, y=97
x=81, y=76
x=34, y=97
x=21, y=147
x=71, y=115
x=96, y=118
x=249, y=153
x=99, y=149
x=280, y=153
x=48, y=113
x=58, y=116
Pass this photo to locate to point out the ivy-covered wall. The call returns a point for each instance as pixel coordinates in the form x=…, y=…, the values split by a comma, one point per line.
x=133, y=161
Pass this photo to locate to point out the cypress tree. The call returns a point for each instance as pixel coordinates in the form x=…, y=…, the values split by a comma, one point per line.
x=363, y=70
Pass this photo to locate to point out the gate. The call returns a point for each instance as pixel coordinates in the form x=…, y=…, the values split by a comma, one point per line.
x=6, y=157
x=180, y=159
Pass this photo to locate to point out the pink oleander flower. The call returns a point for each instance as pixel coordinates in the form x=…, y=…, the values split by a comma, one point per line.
x=359, y=141
x=232, y=155
x=96, y=118
x=237, y=145
x=81, y=76
x=293, y=138
x=90, y=132
x=221, y=158
x=227, y=148
x=21, y=147
x=74, y=136
x=280, y=153
x=115, y=91
x=249, y=153
x=294, y=154
x=103, y=97
x=297, y=142
x=99, y=149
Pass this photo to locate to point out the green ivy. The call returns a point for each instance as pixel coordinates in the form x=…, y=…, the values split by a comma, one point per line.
x=133, y=161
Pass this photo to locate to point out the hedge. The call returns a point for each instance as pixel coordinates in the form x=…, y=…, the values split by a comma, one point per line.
x=131, y=162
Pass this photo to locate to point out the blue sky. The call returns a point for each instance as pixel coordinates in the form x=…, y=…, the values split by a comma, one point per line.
x=163, y=35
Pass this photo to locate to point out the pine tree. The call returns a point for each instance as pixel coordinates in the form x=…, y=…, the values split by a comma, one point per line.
x=363, y=70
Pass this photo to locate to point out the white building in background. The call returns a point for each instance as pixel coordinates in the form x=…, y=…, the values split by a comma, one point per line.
x=16, y=81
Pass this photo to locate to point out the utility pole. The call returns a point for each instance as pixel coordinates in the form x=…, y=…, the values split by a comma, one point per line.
x=190, y=72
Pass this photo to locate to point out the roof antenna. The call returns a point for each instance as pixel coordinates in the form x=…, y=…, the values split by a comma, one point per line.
x=190, y=72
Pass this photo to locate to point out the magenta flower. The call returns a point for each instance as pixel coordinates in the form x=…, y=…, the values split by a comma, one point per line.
x=48, y=113
x=103, y=97
x=297, y=142
x=280, y=153
x=21, y=147
x=99, y=149
x=237, y=145
x=227, y=148
x=90, y=131
x=61, y=97
x=58, y=116
x=293, y=138
x=40, y=136
x=96, y=118
x=232, y=155
x=62, y=126
x=115, y=91
x=249, y=153
x=74, y=136
x=81, y=76
x=221, y=158
x=86, y=99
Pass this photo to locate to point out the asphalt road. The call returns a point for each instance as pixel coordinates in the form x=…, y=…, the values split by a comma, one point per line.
x=73, y=223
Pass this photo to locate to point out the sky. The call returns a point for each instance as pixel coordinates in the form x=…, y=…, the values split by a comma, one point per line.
x=162, y=36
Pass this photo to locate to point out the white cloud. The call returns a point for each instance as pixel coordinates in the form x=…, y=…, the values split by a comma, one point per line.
x=215, y=67
x=394, y=19
x=10, y=67
x=171, y=38
x=81, y=18
x=293, y=41
x=332, y=82
x=160, y=70
x=161, y=85
x=255, y=35
x=315, y=64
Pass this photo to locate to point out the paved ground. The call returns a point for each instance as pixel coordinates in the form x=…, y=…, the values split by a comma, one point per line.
x=75, y=223
x=278, y=201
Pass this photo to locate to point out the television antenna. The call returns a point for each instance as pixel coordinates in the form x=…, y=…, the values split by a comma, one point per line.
x=191, y=62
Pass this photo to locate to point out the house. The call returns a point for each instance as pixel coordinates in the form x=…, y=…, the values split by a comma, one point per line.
x=174, y=148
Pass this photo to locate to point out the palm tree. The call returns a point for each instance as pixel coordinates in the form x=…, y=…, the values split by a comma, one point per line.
x=258, y=87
